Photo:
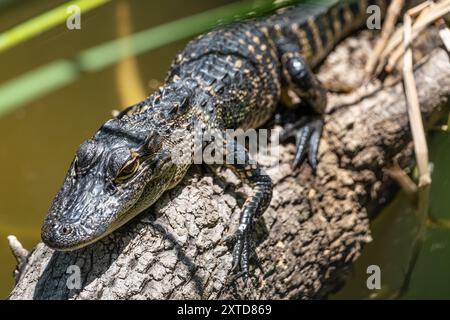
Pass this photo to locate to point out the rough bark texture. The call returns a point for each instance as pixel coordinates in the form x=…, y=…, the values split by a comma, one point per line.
x=308, y=238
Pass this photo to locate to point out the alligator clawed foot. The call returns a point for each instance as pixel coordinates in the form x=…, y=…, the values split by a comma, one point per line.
x=243, y=251
x=307, y=133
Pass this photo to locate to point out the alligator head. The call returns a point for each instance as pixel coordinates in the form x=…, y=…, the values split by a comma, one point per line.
x=115, y=175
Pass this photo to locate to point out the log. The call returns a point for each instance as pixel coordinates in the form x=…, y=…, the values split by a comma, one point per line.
x=309, y=237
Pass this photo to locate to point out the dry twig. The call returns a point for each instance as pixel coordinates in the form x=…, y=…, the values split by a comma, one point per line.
x=415, y=117
x=427, y=15
x=387, y=30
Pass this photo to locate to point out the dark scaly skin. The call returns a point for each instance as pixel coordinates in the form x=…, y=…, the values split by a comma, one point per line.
x=226, y=79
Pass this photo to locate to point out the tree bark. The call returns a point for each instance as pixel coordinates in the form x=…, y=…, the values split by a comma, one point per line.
x=309, y=237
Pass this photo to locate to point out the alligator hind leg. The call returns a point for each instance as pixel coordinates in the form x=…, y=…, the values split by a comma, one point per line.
x=255, y=205
x=307, y=132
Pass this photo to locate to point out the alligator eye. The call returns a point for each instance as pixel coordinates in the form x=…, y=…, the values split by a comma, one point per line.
x=128, y=169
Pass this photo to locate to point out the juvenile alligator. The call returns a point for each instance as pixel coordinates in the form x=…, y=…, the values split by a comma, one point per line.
x=228, y=78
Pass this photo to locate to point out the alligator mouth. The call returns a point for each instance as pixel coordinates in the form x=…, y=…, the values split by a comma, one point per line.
x=65, y=248
x=75, y=240
x=67, y=241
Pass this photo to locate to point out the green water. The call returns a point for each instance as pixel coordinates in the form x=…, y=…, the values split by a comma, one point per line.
x=394, y=231
x=39, y=139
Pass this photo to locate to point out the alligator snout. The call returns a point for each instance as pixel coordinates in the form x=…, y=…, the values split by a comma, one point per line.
x=57, y=235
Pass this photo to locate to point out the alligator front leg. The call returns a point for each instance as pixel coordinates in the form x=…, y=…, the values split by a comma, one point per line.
x=252, y=174
x=307, y=132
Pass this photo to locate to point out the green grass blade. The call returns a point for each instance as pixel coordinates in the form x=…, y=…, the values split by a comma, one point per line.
x=110, y=52
x=37, y=83
x=43, y=22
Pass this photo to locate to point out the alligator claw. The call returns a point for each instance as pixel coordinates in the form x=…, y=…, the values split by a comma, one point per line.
x=307, y=134
x=243, y=251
